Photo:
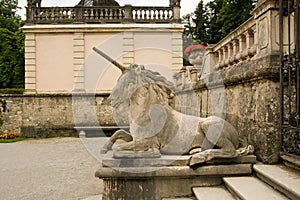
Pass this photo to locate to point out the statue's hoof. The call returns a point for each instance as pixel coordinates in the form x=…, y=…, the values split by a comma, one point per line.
x=103, y=151
x=194, y=151
x=197, y=159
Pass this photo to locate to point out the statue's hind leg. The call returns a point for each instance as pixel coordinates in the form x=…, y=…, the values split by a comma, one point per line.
x=226, y=150
x=118, y=135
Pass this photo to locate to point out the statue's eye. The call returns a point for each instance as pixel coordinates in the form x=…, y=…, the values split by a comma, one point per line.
x=131, y=86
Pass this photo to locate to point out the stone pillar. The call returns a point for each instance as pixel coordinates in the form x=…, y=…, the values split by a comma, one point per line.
x=30, y=63
x=176, y=14
x=266, y=15
x=128, y=48
x=128, y=13
x=212, y=59
x=78, y=62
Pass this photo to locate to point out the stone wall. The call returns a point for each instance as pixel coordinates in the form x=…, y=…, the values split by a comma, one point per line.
x=248, y=97
x=54, y=115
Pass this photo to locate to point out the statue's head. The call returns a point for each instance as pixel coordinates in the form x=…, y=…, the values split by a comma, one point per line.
x=195, y=54
x=133, y=78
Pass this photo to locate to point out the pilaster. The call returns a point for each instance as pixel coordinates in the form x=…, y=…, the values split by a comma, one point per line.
x=30, y=63
x=177, y=58
x=128, y=48
x=78, y=62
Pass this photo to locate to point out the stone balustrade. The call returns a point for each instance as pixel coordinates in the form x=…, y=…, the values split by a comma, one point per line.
x=102, y=14
x=255, y=38
x=238, y=46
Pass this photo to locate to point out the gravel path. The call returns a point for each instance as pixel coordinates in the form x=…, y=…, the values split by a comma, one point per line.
x=56, y=169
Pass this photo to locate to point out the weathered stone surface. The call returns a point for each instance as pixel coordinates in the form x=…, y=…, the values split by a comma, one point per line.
x=173, y=171
x=51, y=115
x=153, y=188
x=251, y=93
x=169, y=160
x=130, y=183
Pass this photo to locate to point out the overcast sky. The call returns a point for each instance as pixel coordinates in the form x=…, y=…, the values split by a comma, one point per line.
x=187, y=6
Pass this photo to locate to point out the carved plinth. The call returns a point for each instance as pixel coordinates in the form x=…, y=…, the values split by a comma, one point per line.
x=165, y=177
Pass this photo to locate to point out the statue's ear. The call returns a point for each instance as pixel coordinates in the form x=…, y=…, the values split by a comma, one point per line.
x=139, y=69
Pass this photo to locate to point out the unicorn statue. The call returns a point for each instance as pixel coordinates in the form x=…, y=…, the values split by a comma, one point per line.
x=141, y=98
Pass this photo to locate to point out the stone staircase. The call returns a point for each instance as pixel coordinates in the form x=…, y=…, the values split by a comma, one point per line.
x=274, y=182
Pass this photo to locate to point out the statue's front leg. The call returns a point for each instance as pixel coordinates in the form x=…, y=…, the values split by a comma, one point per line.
x=143, y=148
x=119, y=135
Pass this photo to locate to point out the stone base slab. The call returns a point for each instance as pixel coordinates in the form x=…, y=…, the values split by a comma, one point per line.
x=169, y=160
x=165, y=177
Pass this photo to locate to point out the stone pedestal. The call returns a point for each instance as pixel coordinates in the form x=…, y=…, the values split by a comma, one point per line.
x=165, y=177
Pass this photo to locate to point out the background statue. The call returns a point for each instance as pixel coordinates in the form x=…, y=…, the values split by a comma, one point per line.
x=174, y=3
x=34, y=3
x=142, y=96
x=196, y=56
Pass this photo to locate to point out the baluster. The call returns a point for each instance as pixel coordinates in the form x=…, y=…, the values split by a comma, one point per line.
x=52, y=14
x=216, y=58
x=152, y=14
x=145, y=14
x=251, y=48
x=236, y=50
x=226, y=53
x=136, y=14
x=115, y=14
x=101, y=11
x=110, y=13
x=70, y=14
x=120, y=16
x=171, y=14
x=221, y=58
x=156, y=14
x=61, y=14
x=243, y=51
x=37, y=14
x=163, y=14
x=230, y=54
x=106, y=13
x=96, y=13
x=140, y=14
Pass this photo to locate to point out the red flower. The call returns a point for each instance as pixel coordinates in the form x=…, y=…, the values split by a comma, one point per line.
x=193, y=47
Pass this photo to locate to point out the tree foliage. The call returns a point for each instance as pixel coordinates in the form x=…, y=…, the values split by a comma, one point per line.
x=11, y=46
x=214, y=20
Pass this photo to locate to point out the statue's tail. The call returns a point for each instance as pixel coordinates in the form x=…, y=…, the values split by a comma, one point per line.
x=247, y=150
x=245, y=147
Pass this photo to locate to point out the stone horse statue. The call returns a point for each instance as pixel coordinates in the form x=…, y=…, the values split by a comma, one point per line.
x=142, y=96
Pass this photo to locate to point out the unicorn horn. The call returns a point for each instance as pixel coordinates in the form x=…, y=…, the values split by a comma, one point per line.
x=115, y=63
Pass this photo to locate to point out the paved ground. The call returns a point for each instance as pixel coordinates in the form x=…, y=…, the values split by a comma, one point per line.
x=56, y=169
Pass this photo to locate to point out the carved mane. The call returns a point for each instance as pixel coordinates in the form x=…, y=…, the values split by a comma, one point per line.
x=144, y=76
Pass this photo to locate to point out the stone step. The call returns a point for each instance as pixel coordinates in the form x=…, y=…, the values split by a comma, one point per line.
x=95, y=197
x=211, y=193
x=179, y=198
x=251, y=188
x=281, y=178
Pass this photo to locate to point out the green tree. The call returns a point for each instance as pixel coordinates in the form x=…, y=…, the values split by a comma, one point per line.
x=11, y=46
x=233, y=14
x=213, y=21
